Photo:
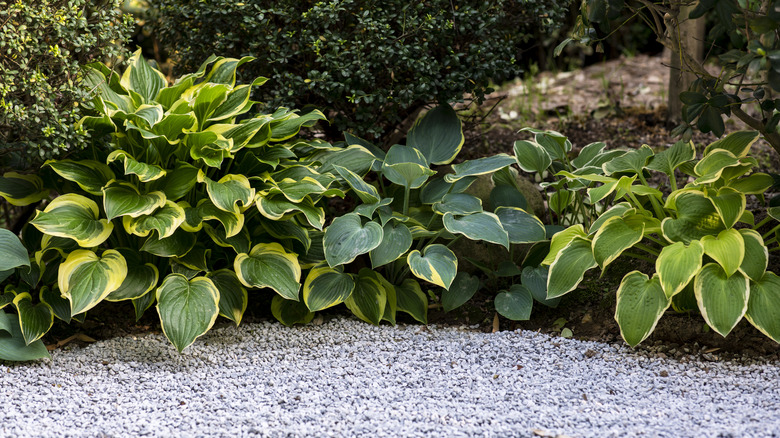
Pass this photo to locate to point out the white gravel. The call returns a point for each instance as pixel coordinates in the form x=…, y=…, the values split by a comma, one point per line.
x=347, y=378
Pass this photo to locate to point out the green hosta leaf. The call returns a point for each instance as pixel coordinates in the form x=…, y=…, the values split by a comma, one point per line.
x=569, y=267
x=670, y=159
x=289, y=128
x=346, y=238
x=756, y=255
x=75, y=217
x=436, y=264
x=436, y=188
x=728, y=249
x=555, y=143
x=738, y=143
x=195, y=260
x=178, y=182
x=406, y=167
x=462, y=289
x=696, y=218
x=12, y=345
x=34, y=319
x=520, y=226
x=288, y=230
x=59, y=305
x=438, y=135
x=209, y=97
x=755, y=184
x=369, y=298
x=90, y=175
x=290, y=312
x=20, y=190
x=14, y=253
x=233, y=298
x=86, y=279
x=368, y=210
x=228, y=191
x=535, y=279
x=729, y=203
x=142, y=78
x=145, y=172
x=480, y=166
x=722, y=299
x=640, y=304
x=173, y=126
x=561, y=239
x=237, y=101
x=677, y=265
x=165, y=221
x=617, y=210
x=458, y=204
x=140, y=280
x=507, y=196
x=515, y=304
x=709, y=168
x=560, y=201
x=478, y=226
x=233, y=221
x=614, y=237
x=123, y=198
x=325, y=287
x=764, y=305
x=355, y=158
x=412, y=301
x=297, y=191
x=251, y=133
x=177, y=245
x=366, y=192
x=276, y=207
x=633, y=161
x=209, y=147
x=531, y=156
x=269, y=265
x=396, y=240
x=187, y=308
x=588, y=154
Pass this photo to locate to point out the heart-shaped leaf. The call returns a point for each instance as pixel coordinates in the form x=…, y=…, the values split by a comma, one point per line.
x=18, y=189
x=437, y=264
x=729, y=203
x=764, y=305
x=640, y=304
x=531, y=156
x=59, y=305
x=276, y=207
x=677, y=265
x=290, y=312
x=406, y=166
x=756, y=255
x=462, y=289
x=722, y=299
x=438, y=135
x=12, y=345
x=478, y=226
x=613, y=237
x=738, y=143
x=86, y=279
x=520, y=226
x=346, y=238
x=326, y=287
x=561, y=239
x=555, y=143
x=670, y=159
x=458, y=204
x=122, y=198
x=369, y=298
x=507, y=196
x=569, y=267
x=396, y=240
x=177, y=182
x=34, y=319
x=140, y=280
x=177, y=245
x=696, y=217
x=711, y=166
x=187, y=308
x=535, y=279
x=164, y=220
x=229, y=191
x=728, y=249
x=412, y=300
x=480, y=166
x=435, y=189
x=515, y=304
x=144, y=172
x=269, y=265
x=75, y=217
x=588, y=154
x=633, y=161
x=90, y=175
x=233, y=298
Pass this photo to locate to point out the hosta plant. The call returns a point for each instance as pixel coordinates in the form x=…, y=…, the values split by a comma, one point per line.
x=701, y=239
x=186, y=199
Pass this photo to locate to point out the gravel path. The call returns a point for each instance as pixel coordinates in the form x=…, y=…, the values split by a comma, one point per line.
x=347, y=378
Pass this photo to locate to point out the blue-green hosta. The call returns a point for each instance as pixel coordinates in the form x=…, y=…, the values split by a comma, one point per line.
x=691, y=235
x=186, y=199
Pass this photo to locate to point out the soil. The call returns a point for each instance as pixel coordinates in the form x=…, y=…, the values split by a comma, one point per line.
x=620, y=102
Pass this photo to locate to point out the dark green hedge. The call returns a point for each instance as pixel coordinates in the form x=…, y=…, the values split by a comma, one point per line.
x=371, y=62
x=43, y=43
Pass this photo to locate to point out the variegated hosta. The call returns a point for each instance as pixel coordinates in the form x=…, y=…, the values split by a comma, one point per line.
x=692, y=237
x=187, y=199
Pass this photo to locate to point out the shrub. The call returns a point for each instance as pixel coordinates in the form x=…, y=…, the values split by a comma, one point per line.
x=374, y=63
x=43, y=44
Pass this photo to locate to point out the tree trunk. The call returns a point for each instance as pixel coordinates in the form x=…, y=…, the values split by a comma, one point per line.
x=687, y=37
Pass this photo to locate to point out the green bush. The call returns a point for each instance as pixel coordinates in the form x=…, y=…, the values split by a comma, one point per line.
x=371, y=62
x=43, y=44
